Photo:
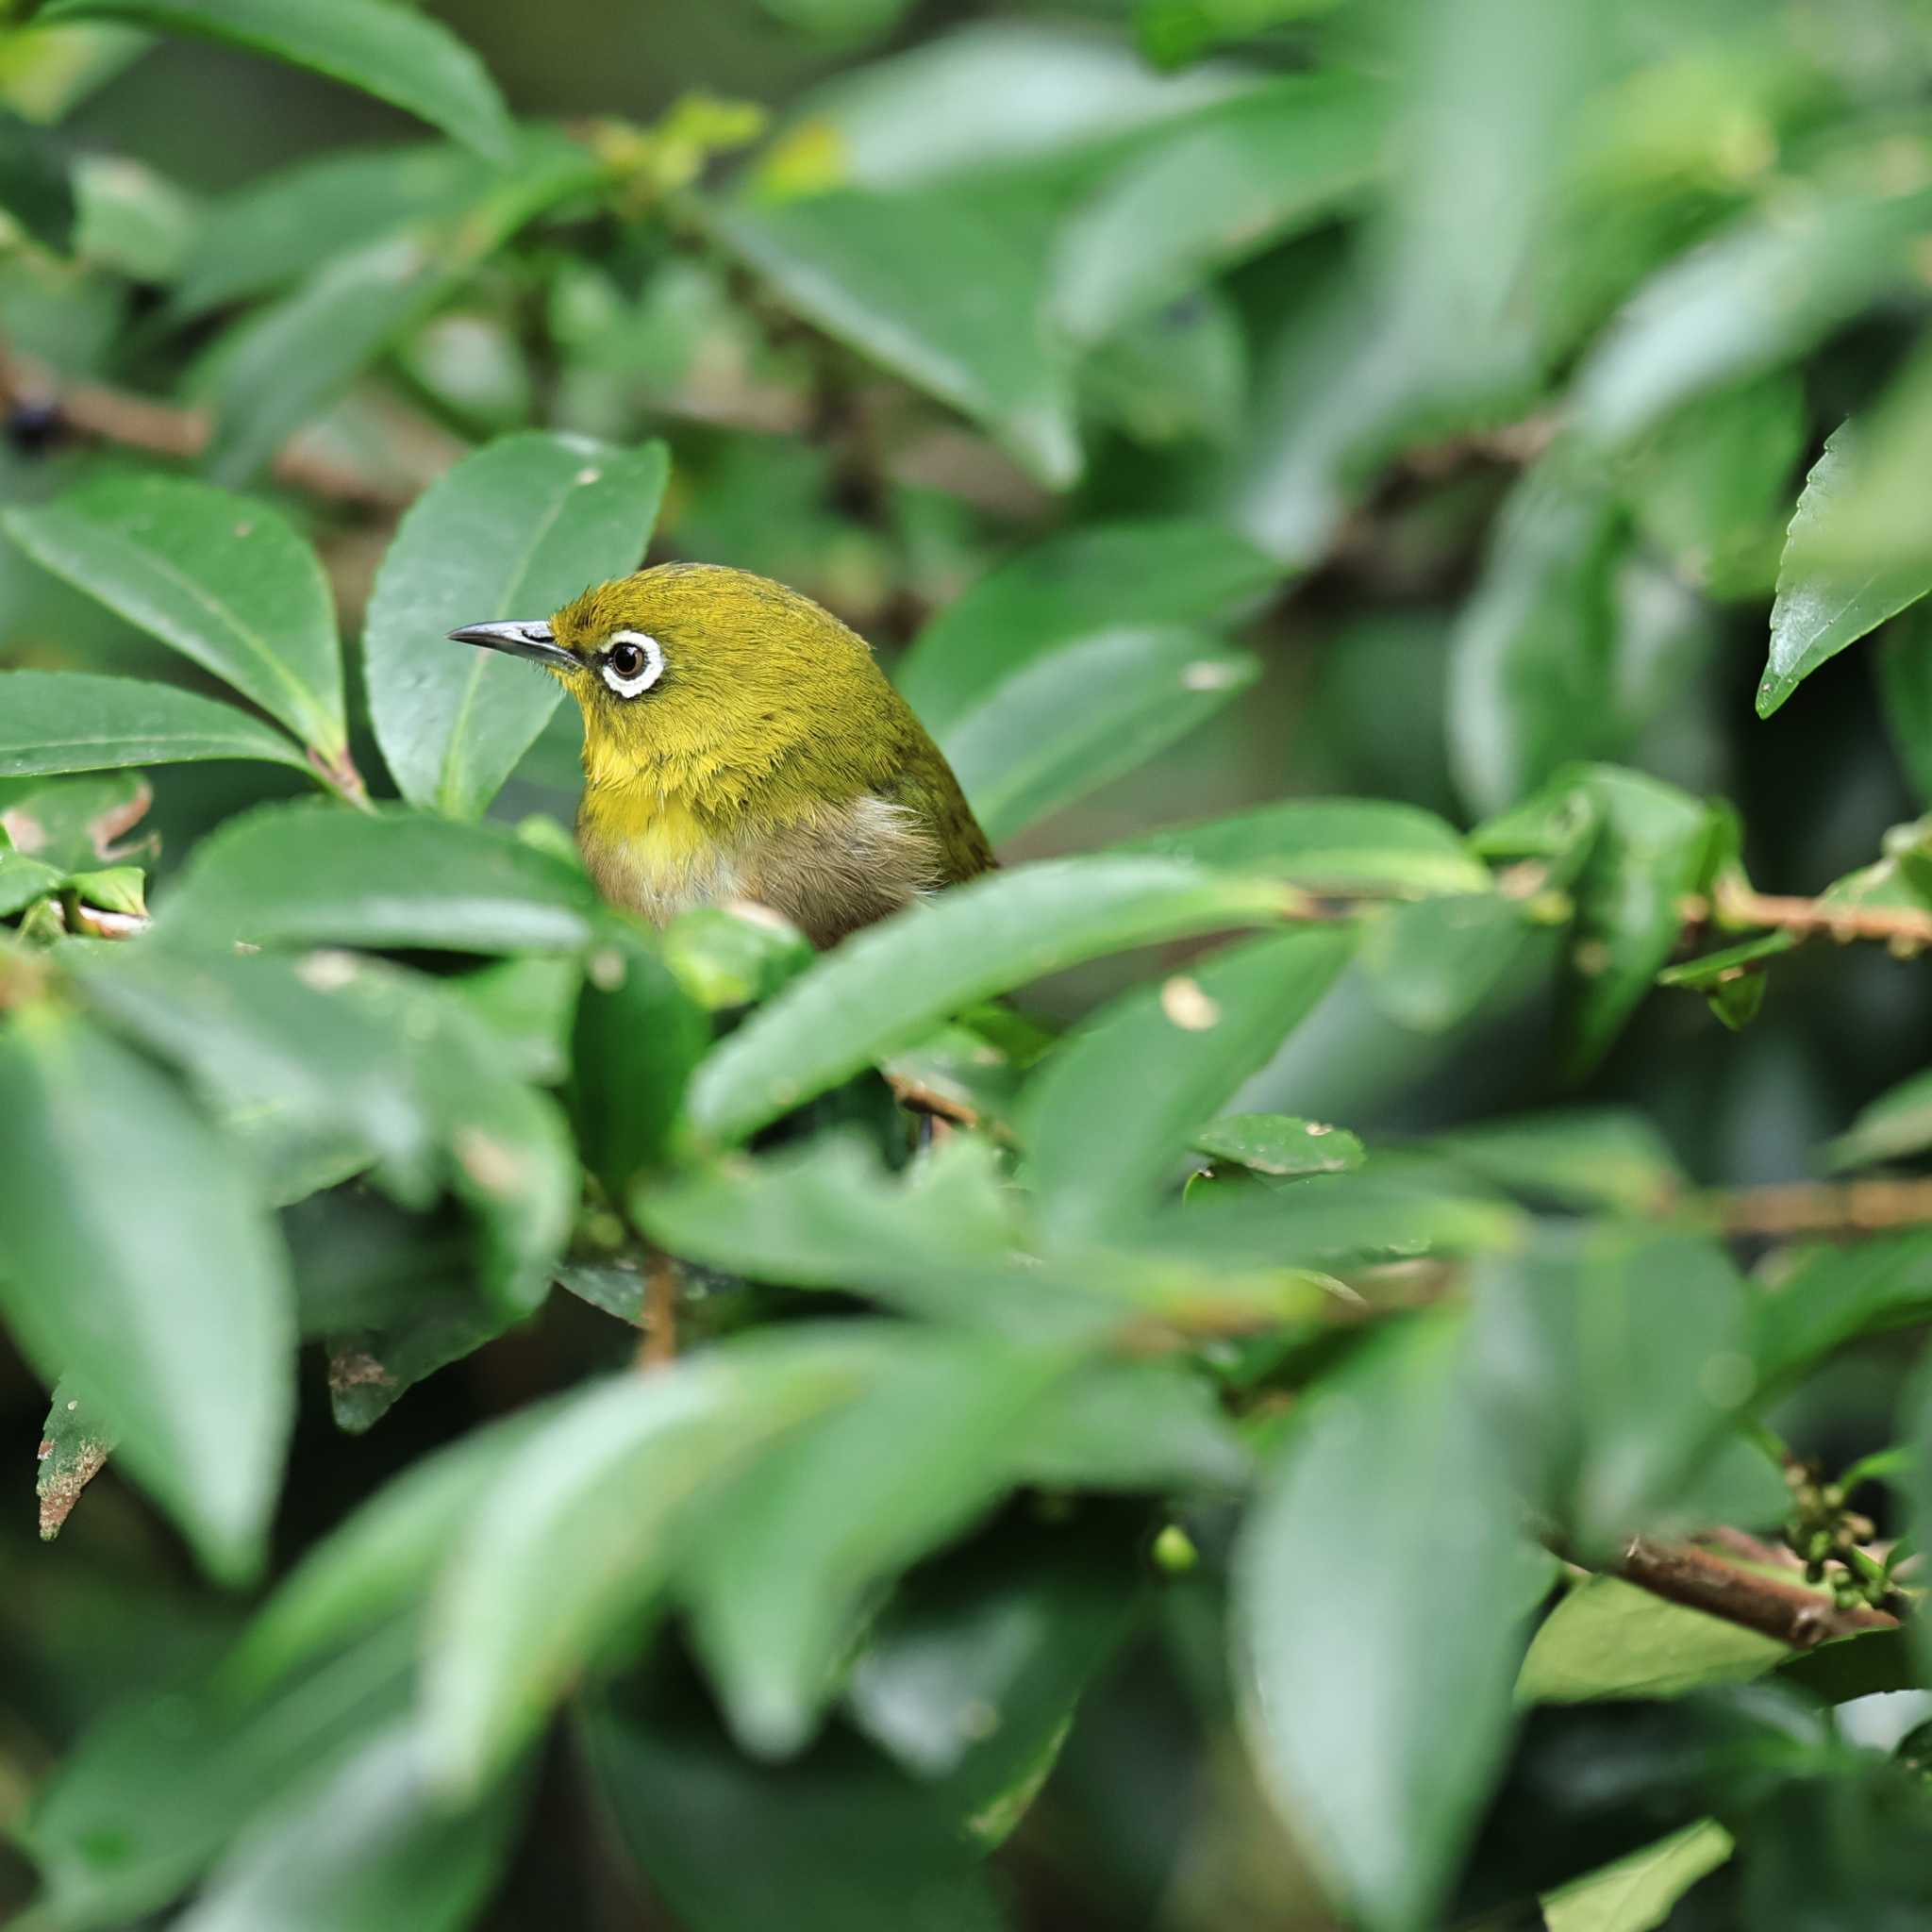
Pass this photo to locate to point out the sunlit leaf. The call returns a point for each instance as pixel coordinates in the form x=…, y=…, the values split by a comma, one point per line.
x=69, y=720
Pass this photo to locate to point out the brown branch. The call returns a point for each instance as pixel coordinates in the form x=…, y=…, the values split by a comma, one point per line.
x=1734, y=905
x=1700, y=1581
x=1789, y=1209
x=166, y=429
x=660, y=1347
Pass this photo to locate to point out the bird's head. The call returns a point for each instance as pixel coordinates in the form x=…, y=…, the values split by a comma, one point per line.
x=701, y=673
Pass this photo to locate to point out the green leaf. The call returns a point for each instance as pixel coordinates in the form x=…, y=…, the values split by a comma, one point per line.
x=1389, y=1455
x=262, y=1036
x=845, y=1842
x=638, y=1036
x=153, y=1794
x=1609, y=1639
x=1821, y=610
x=1830, y=1295
x=734, y=955
x=380, y=1561
x=973, y=1669
x=77, y=825
x=1155, y=573
x=36, y=183
x=946, y=1242
x=120, y=1195
x=270, y=373
x=516, y=530
x=1612, y=1365
x=1084, y=714
x=23, y=880
x=1761, y=292
x=223, y=579
x=1598, y=1157
x=389, y=51
x=1222, y=186
x=1895, y=1125
x=310, y=874
x=368, y=1842
x=1115, y=1106
x=881, y=988
x=778, y=1567
x=1905, y=688
x=1648, y=856
x=69, y=720
x=277, y=229
x=859, y=265
x=75, y=1447
x=992, y=94
x=1279, y=1144
x=1329, y=845
x=1636, y=1895
x=1532, y=670
x=596, y=1496
x=1128, y=1426
x=1431, y=964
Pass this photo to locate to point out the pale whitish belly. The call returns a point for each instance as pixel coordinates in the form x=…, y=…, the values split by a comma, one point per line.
x=658, y=885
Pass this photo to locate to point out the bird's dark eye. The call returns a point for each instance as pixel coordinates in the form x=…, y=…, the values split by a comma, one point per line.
x=627, y=660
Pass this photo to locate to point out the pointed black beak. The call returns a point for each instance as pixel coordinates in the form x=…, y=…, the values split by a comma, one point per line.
x=520, y=638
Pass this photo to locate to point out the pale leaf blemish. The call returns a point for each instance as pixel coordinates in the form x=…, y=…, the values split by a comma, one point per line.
x=1592, y=959
x=1186, y=1005
x=356, y=1369
x=1209, y=673
x=327, y=970
x=493, y=1166
x=606, y=969
x=588, y=475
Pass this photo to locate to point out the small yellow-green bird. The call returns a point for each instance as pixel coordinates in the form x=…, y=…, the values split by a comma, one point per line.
x=739, y=743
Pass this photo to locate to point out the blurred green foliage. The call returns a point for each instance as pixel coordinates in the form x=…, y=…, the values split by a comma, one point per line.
x=1393, y=1397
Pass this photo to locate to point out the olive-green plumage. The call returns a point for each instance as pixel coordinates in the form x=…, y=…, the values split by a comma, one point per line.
x=739, y=743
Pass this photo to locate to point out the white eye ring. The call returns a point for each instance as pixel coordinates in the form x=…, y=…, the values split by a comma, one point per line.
x=654, y=663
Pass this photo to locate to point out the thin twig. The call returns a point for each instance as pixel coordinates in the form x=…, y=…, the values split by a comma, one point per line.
x=166, y=429
x=1734, y=905
x=660, y=1347
x=1701, y=1580
x=1790, y=1209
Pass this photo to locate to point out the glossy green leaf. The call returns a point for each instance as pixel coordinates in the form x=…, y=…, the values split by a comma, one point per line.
x=1223, y=185
x=223, y=579
x=69, y=720
x=516, y=530
x=1826, y=1296
x=1612, y=1363
x=377, y=1561
x=1765, y=290
x=976, y=1665
x=884, y=986
x=1597, y=1158
x=414, y=64
x=946, y=1242
x=846, y=1841
x=121, y=1193
x=311, y=874
x=77, y=825
x=596, y=1496
x=1078, y=717
x=368, y=1843
x=1115, y=1106
x=1329, y=845
x=1131, y=1425
x=1532, y=670
x=992, y=94
x=1648, y=855
x=638, y=1036
x=1821, y=610
x=270, y=375
x=1431, y=964
x=36, y=183
x=154, y=1794
x=1905, y=688
x=1279, y=1144
x=1896, y=1125
x=777, y=1569
x=263, y=1036
x=1389, y=1454
x=276, y=230
x=1609, y=1639
x=858, y=266
x=1636, y=1895
x=1156, y=572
